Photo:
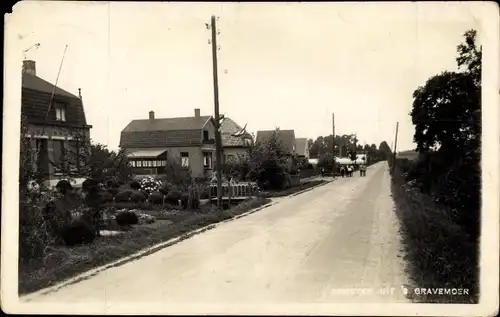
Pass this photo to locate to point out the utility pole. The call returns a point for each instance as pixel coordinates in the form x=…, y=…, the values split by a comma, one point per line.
x=333, y=141
x=395, y=146
x=218, y=163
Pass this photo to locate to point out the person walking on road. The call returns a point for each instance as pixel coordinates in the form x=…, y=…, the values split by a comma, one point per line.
x=364, y=169
x=349, y=170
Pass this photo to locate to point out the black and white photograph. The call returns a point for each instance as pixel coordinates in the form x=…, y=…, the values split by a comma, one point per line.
x=298, y=158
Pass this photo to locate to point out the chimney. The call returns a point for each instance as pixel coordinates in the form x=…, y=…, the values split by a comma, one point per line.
x=80, y=93
x=151, y=115
x=29, y=67
x=196, y=113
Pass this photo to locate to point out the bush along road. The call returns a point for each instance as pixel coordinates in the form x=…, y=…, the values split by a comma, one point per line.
x=343, y=235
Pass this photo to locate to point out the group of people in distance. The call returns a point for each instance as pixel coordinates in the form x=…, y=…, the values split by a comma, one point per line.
x=348, y=170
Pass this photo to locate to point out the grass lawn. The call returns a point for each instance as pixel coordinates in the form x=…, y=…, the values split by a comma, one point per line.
x=64, y=262
x=294, y=189
x=438, y=252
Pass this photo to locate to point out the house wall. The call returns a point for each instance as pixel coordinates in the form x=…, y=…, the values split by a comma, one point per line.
x=211, y=130
x=235, y=152
x=50, y=134
x=195, y=158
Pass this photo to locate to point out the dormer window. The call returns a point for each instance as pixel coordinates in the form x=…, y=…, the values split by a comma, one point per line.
x=60, y=112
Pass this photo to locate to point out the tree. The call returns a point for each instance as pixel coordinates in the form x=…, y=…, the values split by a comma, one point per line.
x=269, y=163
x=447, y=109
x=444, y=111
x=447, y=117
x=384, y=150
x=352, y=155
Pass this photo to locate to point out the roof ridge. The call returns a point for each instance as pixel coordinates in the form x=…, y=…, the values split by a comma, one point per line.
x=192, y=117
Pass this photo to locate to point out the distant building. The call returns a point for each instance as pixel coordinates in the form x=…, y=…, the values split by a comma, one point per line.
x=52, y=129
x=189, y=140
x=302, y=148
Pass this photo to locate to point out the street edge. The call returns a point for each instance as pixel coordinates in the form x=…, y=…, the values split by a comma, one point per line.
x=310, y=188
x=155, y=248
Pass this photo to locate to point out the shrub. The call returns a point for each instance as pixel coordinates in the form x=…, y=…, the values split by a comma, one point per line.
x=107, y=197
x=204, y=193
x=166, y=187
x=190, y=199
x=173, y=198
x=156, y=198
x=135, y=185
x=64, y=186
x=184, y=200
x=77, y=232
x=138, y=197
x=34, y=233
x=113, y=191
x=56, y=216
x=149, y=185
x=112, y=183
x=125, y=218
x=124, y=196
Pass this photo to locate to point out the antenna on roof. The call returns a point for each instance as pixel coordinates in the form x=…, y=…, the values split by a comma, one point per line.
x=35, y=46
x=240, y=133
x=55, y=85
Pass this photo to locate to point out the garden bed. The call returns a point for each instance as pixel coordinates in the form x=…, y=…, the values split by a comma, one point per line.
x=62, y=263
x=292, y=190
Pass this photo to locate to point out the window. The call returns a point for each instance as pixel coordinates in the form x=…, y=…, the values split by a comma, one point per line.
x=74, y=154
x=139, y=163
x=185, y=159
x=205, y=135
x=60, y=112
x=154, y=163
x=207, y=160
x=58, y=151
x=229, y=158
x=132, y=163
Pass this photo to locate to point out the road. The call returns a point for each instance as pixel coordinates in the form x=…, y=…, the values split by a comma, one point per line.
x=304, y=249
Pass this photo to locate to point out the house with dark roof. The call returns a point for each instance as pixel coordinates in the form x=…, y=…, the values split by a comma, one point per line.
x=235, y=143
x=55, y=122
x=149, y=143
x=285, y=137
x=287, y=140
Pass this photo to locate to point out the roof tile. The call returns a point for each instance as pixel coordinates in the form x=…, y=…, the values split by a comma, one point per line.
x=287, y=138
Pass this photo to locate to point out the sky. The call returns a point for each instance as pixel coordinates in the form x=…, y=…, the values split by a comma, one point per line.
x=286, y=65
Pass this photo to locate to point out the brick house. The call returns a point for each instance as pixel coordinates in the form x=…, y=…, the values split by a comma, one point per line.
x=149, y=143
x=234, y=147
x=52, y=130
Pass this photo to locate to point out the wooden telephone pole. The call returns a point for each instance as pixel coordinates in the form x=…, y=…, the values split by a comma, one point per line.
x=218, y=147
x=395, y=146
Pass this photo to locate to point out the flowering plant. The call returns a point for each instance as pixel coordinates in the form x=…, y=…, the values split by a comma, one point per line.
x=149, y=185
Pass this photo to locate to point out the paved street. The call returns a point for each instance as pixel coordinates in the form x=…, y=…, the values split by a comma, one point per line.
x=303, y=249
